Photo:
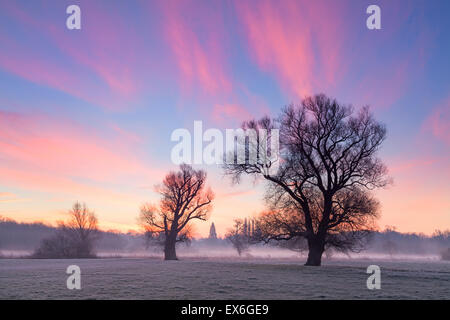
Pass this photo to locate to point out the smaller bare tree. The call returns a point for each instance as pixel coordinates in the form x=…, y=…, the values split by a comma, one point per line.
x=75, y=238
x=82, y=227
x=389, y=244
x=184, y=198
x=242, y=235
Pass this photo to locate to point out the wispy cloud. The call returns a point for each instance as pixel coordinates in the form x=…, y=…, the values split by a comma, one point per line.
x=438, y=122
x=280, y=37
x=7, y=197
x=92, y=68
x=54, y=153
x=195, y=36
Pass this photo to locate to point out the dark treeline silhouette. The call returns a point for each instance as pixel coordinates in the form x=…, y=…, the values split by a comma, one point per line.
x=15, y=236
x=28, y=236
x=392, y=242
x=23, y=236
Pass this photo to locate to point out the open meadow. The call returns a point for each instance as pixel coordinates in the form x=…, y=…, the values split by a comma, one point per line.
x=219, y=278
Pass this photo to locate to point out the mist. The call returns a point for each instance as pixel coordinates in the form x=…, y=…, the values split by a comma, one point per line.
x=22, y=239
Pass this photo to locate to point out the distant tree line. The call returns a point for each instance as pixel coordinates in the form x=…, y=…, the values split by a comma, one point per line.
x=28, y=237
x=249, y=232
x=243, y=234
x=19, y=236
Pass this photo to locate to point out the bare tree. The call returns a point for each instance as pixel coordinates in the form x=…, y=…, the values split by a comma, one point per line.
x=82, y=226
x=183, y=199
x=326, y=166
x=75, y=238
x=353, y=218
x=239, y=236
x=389, y=244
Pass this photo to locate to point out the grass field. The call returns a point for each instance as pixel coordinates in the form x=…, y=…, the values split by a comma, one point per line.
x=194, y=278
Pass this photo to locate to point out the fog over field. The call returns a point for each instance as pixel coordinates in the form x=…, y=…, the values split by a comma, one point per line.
x=212, y=269
x=21, y=239
x=127, y=267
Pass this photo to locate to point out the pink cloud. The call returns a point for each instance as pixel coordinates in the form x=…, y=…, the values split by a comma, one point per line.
x=315, y=46
x=382, y=86
x=17, y=59
x=49, y=182
x=127, y=136
x=55, y=152
x=223, y=112
x=401, y=166
x=201, y=60
x=438, y=122
x=91, y=67
x=417, y=201
x=238, y=193
x=380, y=90
x=281, y=39
x=105, y=54
x=6, y=195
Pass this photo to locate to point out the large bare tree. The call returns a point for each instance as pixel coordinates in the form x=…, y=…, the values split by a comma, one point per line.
x=184, y=197
x=319, y=188
x=352, y=219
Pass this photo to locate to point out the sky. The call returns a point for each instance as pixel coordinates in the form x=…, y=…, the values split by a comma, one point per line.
x=87, y=115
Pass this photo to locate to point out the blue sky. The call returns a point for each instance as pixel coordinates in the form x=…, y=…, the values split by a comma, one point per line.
x=87, y=114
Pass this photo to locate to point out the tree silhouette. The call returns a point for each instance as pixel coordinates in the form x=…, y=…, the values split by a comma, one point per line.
x=183, y=199
x=238, y=237
x=74, y=238
x=321, y=179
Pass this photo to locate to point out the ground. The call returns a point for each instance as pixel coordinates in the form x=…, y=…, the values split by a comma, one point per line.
x=191, y=278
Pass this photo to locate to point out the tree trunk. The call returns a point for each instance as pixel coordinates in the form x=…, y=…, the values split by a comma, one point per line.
x=316, y=248
x=169, y=249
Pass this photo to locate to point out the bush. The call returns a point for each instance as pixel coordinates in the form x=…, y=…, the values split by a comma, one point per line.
x=74, y=239
x=63, y=245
